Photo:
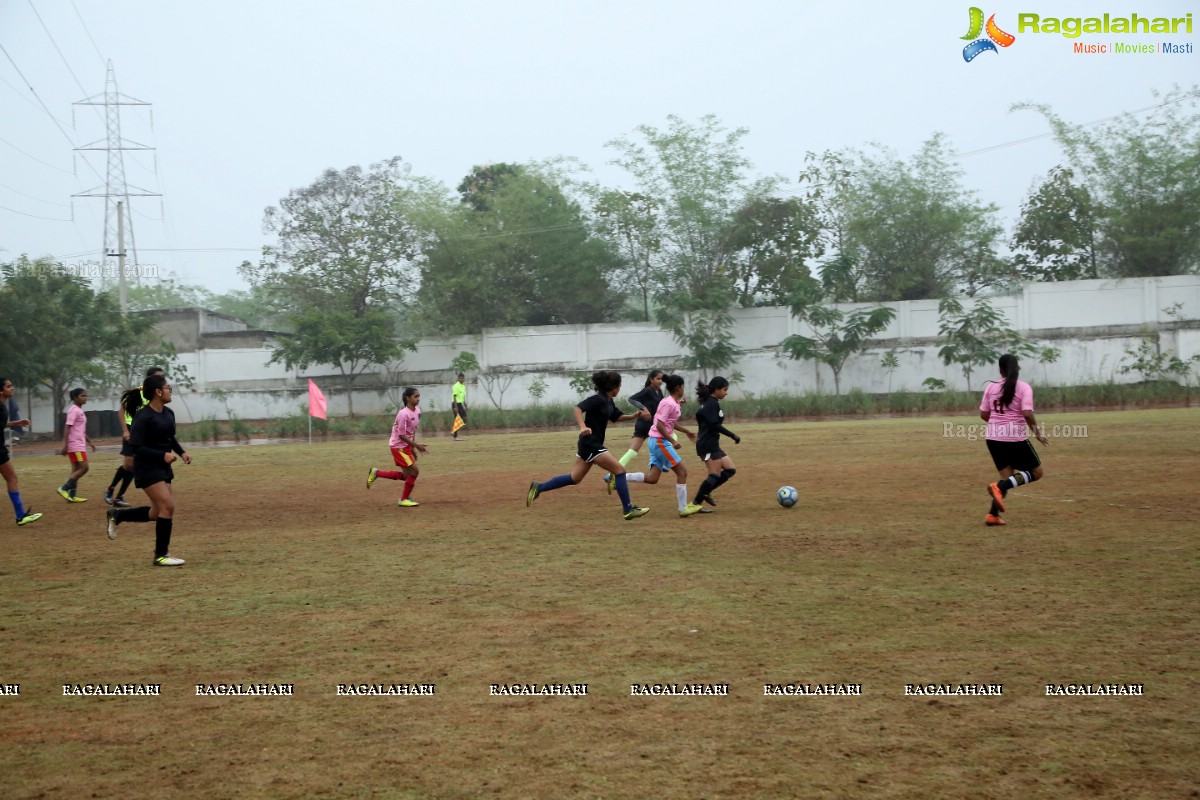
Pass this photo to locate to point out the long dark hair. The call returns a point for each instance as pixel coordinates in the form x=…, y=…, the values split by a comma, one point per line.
x=654, y=372
x=605, y=380
x=1010, y=370
x=705, y=390
x=672, y=382
x=134, y=399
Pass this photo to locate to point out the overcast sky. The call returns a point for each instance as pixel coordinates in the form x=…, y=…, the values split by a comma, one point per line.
x=254, y=98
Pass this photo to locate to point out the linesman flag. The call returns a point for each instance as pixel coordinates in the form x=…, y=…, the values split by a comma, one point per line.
x=316, y=401
x=458, y=423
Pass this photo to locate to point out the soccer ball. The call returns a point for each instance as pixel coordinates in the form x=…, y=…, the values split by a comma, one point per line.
x=787, y=496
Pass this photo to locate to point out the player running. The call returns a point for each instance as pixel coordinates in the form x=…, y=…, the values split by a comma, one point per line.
x=592, y=415
x=1007, y=408
x=75, y=445
x=710, y=419
x=663, y=456
x=404, y=446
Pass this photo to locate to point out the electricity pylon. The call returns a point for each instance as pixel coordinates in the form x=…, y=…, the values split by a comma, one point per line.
x=115, y=191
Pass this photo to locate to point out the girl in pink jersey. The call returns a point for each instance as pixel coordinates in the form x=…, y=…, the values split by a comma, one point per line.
x=1007, y=408
x=663, y=455
x=404, y=448
x=75, y=445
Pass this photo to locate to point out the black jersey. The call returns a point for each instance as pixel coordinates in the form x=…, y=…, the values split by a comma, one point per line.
x=648, y=398
x=598, y=410
x=710, y=420
x=152, y=436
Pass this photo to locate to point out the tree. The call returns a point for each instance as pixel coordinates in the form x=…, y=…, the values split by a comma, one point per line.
x=696, y=175
x=337, y=277
x=350, y=342
x=516, y=251
x=976, y=335
x=136, y=348
x=53, y=326
x=629, y=220
x=837, y=335
x=161, y=294
x=1055, y=239
x=889, y=363
x=768, y=244
x=905, y=230
x=1142, y=174
x=828, y=182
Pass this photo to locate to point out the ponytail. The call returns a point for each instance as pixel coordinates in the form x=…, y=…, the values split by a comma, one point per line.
x=1010, y=370
x=131, y=401
x=705, y=390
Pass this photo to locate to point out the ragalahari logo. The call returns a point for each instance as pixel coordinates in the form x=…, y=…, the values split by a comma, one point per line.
x=995, y=36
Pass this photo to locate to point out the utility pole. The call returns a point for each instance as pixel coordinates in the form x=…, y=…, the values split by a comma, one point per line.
x=115, y=191
x=122, y=293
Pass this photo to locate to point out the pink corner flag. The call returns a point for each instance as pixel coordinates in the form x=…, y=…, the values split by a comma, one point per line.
x=316, y=401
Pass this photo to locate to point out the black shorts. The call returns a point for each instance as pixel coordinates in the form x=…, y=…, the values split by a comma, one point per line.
x=641, y=428
x=148, y=476
x=4, y=456
x=589, y=448
x=711, y=455
x=1014, y=455
x=126, y=448
x=460, y=409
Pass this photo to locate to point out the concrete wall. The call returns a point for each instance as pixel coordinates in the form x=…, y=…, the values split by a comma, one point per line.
x=1091, y=322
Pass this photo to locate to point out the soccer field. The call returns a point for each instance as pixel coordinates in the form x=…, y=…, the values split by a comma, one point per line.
x=906, y=648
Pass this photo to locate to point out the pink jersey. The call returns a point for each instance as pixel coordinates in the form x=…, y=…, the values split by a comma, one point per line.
x=407, y=420
x=668, y=414
x=1008, y=425
x=76, y=429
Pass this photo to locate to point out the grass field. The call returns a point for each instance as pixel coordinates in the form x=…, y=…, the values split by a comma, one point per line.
x=883, y=576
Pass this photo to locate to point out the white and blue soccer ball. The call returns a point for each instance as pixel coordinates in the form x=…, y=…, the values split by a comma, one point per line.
x=787, y=496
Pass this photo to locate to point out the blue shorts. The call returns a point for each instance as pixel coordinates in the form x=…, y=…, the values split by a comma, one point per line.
x=663, y=454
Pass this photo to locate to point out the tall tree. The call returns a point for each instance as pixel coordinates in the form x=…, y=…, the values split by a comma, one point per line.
x=1142, y=174
x=517, y=250
x=1055, y=238
x=696, y=173
x=53, y=326
x=344, y=260
x=904, y=230
x=828, y=184
x=914, y=226
x=768, y=245
x=629, y=220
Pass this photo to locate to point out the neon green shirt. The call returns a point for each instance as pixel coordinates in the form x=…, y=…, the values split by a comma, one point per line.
x=145, y=402
x=458, y=392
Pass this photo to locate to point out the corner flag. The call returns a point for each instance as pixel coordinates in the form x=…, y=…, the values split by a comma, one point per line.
x=316, y=401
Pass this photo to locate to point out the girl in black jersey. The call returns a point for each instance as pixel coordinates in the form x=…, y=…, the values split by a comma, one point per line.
x=648, y=397
x=24, y=515
x=711, y=421
x=155, y=448
x=592, y=416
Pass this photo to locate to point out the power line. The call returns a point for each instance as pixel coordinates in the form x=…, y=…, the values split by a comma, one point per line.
x=88, y=32
x=1048, y=134
x=31, y=197
x=57, y=49
x=43, y=105
x=34, y=216
x=35, y=158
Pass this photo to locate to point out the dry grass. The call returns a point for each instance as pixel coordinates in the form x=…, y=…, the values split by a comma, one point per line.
x=883, y=575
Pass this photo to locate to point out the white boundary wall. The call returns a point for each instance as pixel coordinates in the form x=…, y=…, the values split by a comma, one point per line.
x=1091, y=322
